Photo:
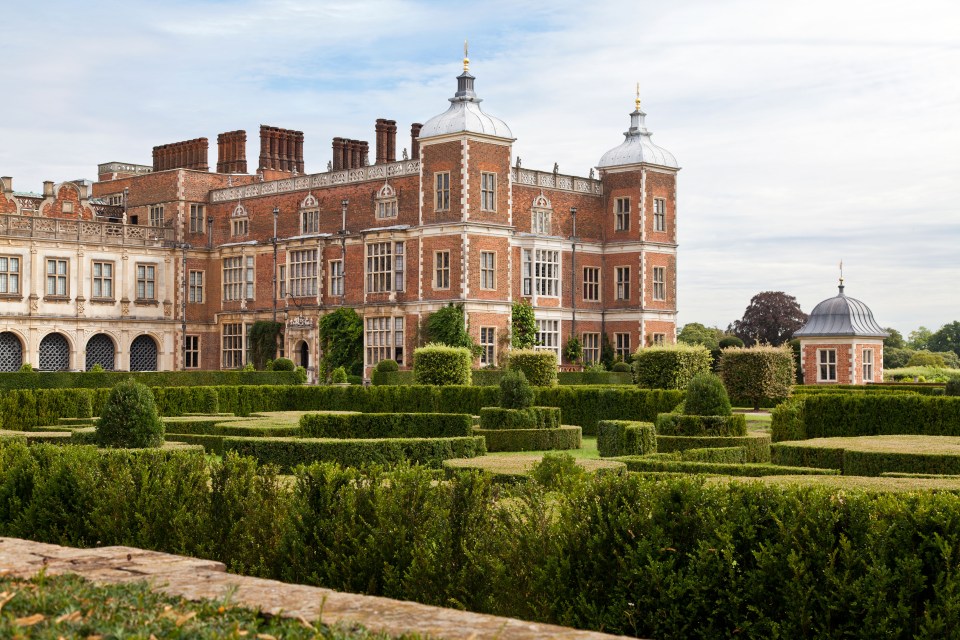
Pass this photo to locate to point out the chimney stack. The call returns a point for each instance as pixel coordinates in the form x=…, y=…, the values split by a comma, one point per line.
x=381, y=141
x=337, y=162
x=232, y=152
x=281, y=150
x=48, y=188
x=189, y=154
x=6, y=182
x=414, y=140
x=364, y=148
x=391, y=136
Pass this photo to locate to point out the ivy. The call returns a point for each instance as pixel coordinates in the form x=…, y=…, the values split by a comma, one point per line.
x=447, y=326
x=524, y=326
x=573, y=350
x=341, y=340
x=263, y=342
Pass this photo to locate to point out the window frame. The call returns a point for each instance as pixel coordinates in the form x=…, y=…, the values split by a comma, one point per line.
x=488, y=273
x=57, y=277
x=591, y=347
x=385, y=270
x=148, y=281
x=660, y=214
x=195, y=286
x=303, y=272
x=541, y=272
x=441, y=270
x=488, y=346
x=591, y=284
x=155, y=215
x=622, y=279
x=384, y=346
x=6, y=274
x=441, y=183
x=659, y=292
x=336, y=281
x=542, y=332
x=488, y=192
x=197, y=213
x=621, y=209
x=309, y=221
x=232, y=353
x=108, y=279
x=658, y=339
x=825, y=367
x=191, y=351
x=622, y=346
x=867, y=364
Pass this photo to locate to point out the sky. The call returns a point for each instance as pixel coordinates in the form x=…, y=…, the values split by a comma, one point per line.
x=808, y=133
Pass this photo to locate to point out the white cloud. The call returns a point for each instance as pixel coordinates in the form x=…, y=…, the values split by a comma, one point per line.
x=807, y=133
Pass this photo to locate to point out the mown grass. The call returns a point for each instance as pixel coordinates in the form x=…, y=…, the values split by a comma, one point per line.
x=522, y=463
x=53, y=607
x=875, y=484
x=941, y=445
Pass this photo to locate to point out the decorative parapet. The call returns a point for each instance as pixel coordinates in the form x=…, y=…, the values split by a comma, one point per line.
x=318, y=180
x=533, y=178
x=83, y=231
x=123, y=167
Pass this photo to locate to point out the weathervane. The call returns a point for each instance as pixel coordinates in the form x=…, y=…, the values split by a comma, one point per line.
x=466, y=57
x=638, y=97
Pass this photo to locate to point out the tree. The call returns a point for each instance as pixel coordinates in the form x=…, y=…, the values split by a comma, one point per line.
x=524, y=326
x=129, y=418
x=918, y=339
x=341, y=338
x=448, y=326
x=757, y=373
x=696, y=333
x=946, y=338
x=894, y=340
x=771, y=318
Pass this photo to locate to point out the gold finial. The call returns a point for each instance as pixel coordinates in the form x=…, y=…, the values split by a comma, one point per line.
x=841, y=273
x=638, y=97
x=466, y=57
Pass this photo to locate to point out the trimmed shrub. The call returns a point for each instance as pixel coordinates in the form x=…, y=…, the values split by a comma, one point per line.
x=108, y=379
x=595, y=377
x=670, y=367
x=515, y=390
x=621, y=367
x=283, y=364
x=385, y=425
x=540, y=367
x=287, y=453
x=827, y=416
x=388, y=378
x=442, y=365
x=130, y=419
x=706, y=396
x=756, y=446
x=338, y=376
x=529, y=418
x=786, y=421
x=674, y=424
x=566, y=437
x=800, y=455
x=625, y=438
x=557, y=471
x=722, y=455
x=755, y=374
x=953, y=387
x=387, y=365
x=586, y=406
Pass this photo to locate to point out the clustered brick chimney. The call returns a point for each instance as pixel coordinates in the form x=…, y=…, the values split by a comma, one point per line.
x=189, y=154
x=232, y=152
x=281, y=150
x=349, y=154
x=414, y=143
x=386, y=131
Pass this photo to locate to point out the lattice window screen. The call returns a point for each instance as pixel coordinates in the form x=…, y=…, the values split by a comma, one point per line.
x=143, y=354
x=100, y=351
x=54, y=353
x=11, y=352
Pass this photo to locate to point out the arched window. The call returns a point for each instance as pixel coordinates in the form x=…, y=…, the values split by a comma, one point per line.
x=542, y=212
x=11, y=352
x=100, y=350
x=54, y=353
x=309, y=215
x=239, y=221
x=143, y=354
x=387, y=202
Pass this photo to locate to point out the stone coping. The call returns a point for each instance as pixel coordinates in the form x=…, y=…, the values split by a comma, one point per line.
x=196, y=579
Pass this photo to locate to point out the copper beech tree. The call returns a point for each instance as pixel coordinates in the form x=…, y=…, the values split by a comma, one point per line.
x=771, y=318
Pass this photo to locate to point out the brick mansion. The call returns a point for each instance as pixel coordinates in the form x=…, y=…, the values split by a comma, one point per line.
x=167, y=267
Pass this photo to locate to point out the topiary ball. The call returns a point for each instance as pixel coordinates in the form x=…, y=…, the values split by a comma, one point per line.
x=283, y=364
x=129, y=418
x=388, y=365
x=621, y=367
x=515, y=391
x=706, y=396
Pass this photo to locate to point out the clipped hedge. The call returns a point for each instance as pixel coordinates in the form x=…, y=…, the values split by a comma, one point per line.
x=491, y=377
x=758, y=374
x=224, y=427
x=386, y=378
x=560, y=438
x=586, y=406
x=539, y=366
x=720, y=455
x=670, y=367
x=385, y=425
x=675, y=424
x=594, y=377
x=647, y=464
x=625, y=438
x=439, y=364
x=529, y=418
x=923, y=389
x=108, y=379
x=854, y=462
x=288, y=453
x=756, y=446
x=834, y=415
x=26, y=409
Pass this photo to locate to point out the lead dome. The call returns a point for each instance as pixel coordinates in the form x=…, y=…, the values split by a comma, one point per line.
x=841, y=315
x=638, y=147
x=465, y=114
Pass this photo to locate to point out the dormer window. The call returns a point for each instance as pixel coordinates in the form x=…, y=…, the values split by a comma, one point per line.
x=386, y=202
x=239, y=222
x=309, y=215
x=541, y=217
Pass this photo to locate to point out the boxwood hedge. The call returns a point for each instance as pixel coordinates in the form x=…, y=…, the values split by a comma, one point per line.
x=566, y=437
x=675, y=424
x=385, y=425
x=625, y=438
x=757, y=446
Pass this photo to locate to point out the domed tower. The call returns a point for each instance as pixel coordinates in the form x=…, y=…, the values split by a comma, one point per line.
x=640, y=226
x=841, y=343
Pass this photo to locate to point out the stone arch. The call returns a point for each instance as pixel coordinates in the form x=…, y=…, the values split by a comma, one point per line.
x=54, y=352
x=101, y=350
x=11, y=351
x=310, y=202
x=301, y=353
x=143, y=353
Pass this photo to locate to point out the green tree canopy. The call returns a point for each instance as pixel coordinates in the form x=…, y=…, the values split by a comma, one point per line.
x=341, y=338
x=946, y=338
x=448, y=326
x=894, y=340
x=917, y=340
x=696, y=333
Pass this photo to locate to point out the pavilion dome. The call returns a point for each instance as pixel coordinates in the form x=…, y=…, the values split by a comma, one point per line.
x=465, y=114
x=637, y=147
x=841, y=316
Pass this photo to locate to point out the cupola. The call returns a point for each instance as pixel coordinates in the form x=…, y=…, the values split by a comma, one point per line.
x=638, y=147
